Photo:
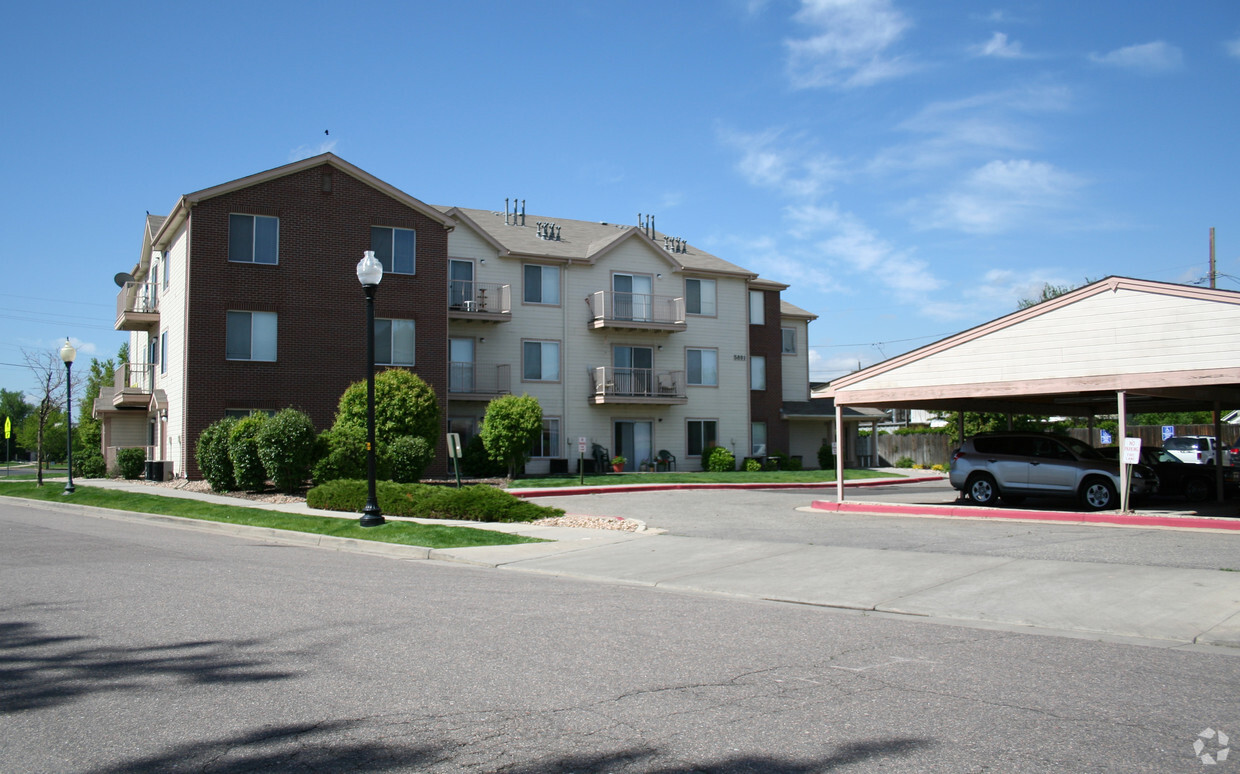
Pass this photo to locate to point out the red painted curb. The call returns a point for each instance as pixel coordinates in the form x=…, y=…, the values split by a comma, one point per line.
x=616, y=488
x=974, y=512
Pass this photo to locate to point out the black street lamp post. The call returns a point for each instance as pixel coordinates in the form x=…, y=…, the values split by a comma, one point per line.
x=369, y=273
x=67, y=354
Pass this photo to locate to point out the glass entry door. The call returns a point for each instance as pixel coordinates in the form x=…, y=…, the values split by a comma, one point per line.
x=461, y=285
x=460, y=365
x=632, y=299
x=634, y=370
x=633, y=442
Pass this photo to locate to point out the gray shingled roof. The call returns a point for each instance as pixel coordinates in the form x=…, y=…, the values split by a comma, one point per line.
x=583, y=240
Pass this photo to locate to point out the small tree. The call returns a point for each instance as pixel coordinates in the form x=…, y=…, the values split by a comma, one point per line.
x=286, y=448
x=509, y=429
x=248, y=470
x=49, y=372
x=212, y=455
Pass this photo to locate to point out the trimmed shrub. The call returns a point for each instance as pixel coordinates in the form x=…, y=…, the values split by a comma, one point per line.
x=89, y=464
x=342, y=454
x=404, y=405
x=509, y=429
x=904, y=462
x=719, y=460
x=794, y=463
x=476, y=463
x=826, y=460
x=131, y=463
x=286, y=444
x=408, y=457
x=212, y=455
x=248, y=470
x=752, y=465
x=470, y=503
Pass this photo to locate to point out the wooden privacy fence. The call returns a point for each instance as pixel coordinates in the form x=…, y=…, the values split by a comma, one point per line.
x=935, y=449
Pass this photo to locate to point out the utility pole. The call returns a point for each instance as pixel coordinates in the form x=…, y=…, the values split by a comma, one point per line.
x=1212, y=273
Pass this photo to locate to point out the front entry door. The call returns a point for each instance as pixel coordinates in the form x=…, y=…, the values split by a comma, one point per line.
x=633, y=442
x=461, y=285
x=634, y=370
x=460, y=365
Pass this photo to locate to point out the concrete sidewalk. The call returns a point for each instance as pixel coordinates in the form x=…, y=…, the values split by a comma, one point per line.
x=1156, y=605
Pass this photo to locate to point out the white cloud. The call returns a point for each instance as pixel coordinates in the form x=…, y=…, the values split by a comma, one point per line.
x=849, y=46
x=999, y=46
x=1233, y=47
x=769, y=161
x=1000, y=196
x=307, y=151
x=1156, y=57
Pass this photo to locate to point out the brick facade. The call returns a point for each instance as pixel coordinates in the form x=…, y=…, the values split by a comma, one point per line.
x=321, y=325
x=764, y=405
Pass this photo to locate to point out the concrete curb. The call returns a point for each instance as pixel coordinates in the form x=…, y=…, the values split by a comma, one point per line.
x=621, y=488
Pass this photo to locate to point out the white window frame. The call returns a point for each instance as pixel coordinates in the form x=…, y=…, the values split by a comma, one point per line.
x=757, y=449
x=269, y=323
x=784, y=347
x=390, y=267
x=254, y=221
x=167, y=262
x=757, y=307
x=757, y=372
x=544, y=345
x=163, y=353
x=393, y=325
x=701, y=366
x=705, y=308
x=543, y=284
x=701, y=433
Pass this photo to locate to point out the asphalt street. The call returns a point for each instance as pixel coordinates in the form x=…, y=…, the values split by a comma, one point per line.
x=134, y=647
x=782, y=516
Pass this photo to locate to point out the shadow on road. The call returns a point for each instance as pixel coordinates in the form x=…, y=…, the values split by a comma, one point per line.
x=38, y=671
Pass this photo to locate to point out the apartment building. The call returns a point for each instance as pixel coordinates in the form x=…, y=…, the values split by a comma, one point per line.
x=245, y=298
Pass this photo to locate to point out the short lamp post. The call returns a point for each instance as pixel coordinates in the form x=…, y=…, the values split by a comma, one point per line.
x=67, y=354
x=369, y=273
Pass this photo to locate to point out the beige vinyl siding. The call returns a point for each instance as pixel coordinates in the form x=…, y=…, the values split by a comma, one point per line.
x=172, y=380
x=1124, y=331
x=796, y=367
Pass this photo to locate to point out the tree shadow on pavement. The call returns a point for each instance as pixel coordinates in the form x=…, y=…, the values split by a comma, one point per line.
x=38, y=671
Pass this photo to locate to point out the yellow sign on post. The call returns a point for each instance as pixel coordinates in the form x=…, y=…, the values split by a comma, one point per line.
x=8, y=428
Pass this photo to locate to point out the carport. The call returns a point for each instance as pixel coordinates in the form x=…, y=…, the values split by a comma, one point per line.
x=1115, y=347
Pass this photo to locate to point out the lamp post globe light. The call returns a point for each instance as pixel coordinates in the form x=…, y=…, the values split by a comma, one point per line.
x=67, y=354
x=370, y=273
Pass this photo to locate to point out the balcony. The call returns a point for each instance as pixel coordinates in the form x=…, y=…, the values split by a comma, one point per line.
x=614, y=385
x=137, y=307
x=134, y=382
x=636, y=311
x=480, y=301
x=466, y=381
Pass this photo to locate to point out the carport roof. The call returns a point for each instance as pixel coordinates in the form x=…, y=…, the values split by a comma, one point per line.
x=1168, y=347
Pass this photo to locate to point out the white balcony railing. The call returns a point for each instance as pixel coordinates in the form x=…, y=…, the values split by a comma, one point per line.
x=479, y=297
x=640, y=383
x=643, y=309
x=470, y=379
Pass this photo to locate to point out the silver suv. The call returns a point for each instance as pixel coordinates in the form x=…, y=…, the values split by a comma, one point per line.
x=1013, y=466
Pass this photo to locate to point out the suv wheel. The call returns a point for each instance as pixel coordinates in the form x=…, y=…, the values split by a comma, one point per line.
x=1197, y=489
x=982, y=490
x=1098, y=494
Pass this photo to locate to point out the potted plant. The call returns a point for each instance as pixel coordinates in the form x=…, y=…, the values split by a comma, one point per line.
x=644, y=467
x=617, y=463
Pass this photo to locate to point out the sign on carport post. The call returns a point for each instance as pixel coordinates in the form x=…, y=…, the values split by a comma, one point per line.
x=1168, y=431
x=1130, y=455
x=454, y=451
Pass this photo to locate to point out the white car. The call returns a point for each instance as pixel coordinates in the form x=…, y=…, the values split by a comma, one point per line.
x=1195, y=449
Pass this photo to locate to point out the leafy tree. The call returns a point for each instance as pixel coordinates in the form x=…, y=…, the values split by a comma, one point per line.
x=510, y=427
x=50, y=375
x=404, y=405
x=1050, y=291
x=286, y=445
x=14, y=406
x=88, y=432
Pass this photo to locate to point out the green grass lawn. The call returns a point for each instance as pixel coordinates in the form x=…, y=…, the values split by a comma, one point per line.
x=703, y=477
x=400, y=532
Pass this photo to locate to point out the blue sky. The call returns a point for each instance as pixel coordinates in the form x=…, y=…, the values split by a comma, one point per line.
x=911, y=169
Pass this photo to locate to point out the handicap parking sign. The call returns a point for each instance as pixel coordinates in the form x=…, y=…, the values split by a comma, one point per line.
x=1104, y=437
x=1168, y=431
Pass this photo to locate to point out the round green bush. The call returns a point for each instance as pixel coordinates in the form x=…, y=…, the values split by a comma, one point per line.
x=212, y=455
x=131, y=462
x=248, y=468
x=904, y=462
x=408, y=457
x=752, y=465
x=404, y=405
x=286, y=444
x=719, y=460
x=89, y=464
x=342, y=454
x=826, y=459
x=476, y=463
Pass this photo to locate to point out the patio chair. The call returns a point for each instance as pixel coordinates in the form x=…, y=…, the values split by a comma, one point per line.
x=665, y=460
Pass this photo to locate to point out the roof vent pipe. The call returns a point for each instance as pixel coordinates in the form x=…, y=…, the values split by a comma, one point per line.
x=505, y=210
x=514, y=206
x=652, y=231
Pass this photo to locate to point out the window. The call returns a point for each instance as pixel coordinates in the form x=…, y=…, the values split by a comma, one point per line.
x=703, y=433
x=394, y=342
x=547, y=444
x=757, y=372
x=253, y=239
x=542, y=284
x=700, y=296
x=167, y=267
x=251, y=336
x=163, y=353
x=757, y=433
x=236, y=413
x=757, y=307
x=395, y=248
x=541, y=361
x=702, y=366
x=788, y=341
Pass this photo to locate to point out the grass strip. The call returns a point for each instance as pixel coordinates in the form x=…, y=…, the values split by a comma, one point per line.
x=399, y=532
x=703, y=477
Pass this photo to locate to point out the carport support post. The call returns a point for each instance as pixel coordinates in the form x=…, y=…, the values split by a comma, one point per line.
x=839, y=452
x=1218, y=447
x=1122, y=401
